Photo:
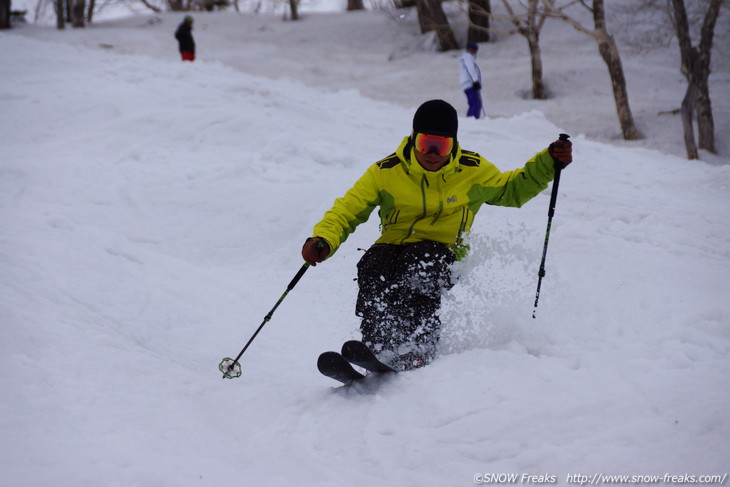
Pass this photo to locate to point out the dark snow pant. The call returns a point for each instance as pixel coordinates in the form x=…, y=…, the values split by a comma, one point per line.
x=399, y=299
x=474, y=97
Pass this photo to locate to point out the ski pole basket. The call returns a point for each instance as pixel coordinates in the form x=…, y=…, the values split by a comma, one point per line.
x=231, y=368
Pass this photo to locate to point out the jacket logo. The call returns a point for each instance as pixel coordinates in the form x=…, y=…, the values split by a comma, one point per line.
x=451, y=199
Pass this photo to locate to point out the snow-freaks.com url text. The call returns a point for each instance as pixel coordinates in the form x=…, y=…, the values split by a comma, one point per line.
x=600, y=479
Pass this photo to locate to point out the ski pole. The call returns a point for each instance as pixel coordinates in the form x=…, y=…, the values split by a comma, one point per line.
x=551, y=211
x=231, y=368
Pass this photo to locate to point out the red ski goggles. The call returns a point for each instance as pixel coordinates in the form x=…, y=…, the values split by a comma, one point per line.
x=433, y=143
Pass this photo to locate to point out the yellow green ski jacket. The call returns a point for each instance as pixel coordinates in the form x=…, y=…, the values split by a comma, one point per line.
x=416, y=204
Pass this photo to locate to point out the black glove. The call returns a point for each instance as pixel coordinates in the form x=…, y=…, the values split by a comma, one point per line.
x=561, y=151
x=315, y=250
x=476, y=85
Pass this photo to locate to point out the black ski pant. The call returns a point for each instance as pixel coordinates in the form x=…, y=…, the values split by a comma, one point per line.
x=399, y=299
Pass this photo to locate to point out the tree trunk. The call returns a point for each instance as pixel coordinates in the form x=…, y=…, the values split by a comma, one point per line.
x=294, y=9
x=696, y=68
x=5, y=14
x=431, y=16
x=90, y=11
x=78, y=10
x=479, y=12
x=424, y=20
x=538, y=87
x=60, y=14
x=609, y=52
x=687, y=109
x=355, y=5
x=705, y=121
x=530, y=26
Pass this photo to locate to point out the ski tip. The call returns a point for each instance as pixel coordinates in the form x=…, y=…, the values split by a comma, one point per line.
x=334, y=365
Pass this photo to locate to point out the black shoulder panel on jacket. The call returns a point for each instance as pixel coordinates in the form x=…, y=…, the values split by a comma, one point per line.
x=389, y=162
x=469, y=158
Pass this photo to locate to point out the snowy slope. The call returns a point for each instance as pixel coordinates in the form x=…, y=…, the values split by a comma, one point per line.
x=152, y=212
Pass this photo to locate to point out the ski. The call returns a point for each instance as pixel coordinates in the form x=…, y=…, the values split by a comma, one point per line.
x=340, y=366
x=358, y=353
x=334, y=365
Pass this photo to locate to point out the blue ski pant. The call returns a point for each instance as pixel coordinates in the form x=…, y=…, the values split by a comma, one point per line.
x=474, y=98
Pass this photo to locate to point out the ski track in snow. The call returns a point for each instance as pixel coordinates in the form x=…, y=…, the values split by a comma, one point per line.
x=152, y=213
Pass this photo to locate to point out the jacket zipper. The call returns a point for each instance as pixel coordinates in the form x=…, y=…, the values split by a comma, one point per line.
x=441, y=203
x=424, y=185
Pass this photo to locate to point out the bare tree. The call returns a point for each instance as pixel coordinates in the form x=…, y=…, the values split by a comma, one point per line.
x=157, y=9
x=59, y=7
x=78, y=12
x=355, y=5
x=479, y=13
x=529, y=25
x=431, y=16
x=4, y=14
x=696, y=68
x=609, y=52
x=294, y=7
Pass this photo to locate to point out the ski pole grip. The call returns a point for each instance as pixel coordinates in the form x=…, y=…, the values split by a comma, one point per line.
x=559, y=166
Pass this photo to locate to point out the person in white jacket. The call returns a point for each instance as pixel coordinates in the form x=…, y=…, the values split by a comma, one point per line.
x=470, y=78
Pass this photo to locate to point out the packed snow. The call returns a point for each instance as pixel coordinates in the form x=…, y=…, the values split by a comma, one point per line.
x=153, y=211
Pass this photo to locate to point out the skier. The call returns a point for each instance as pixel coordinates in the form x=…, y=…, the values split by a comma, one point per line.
x=470, y=78
x=428, y=192
x=184, y=36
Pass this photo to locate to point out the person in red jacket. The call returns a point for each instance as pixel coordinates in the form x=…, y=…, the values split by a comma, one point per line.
x=428, y=193
x=184, y=36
